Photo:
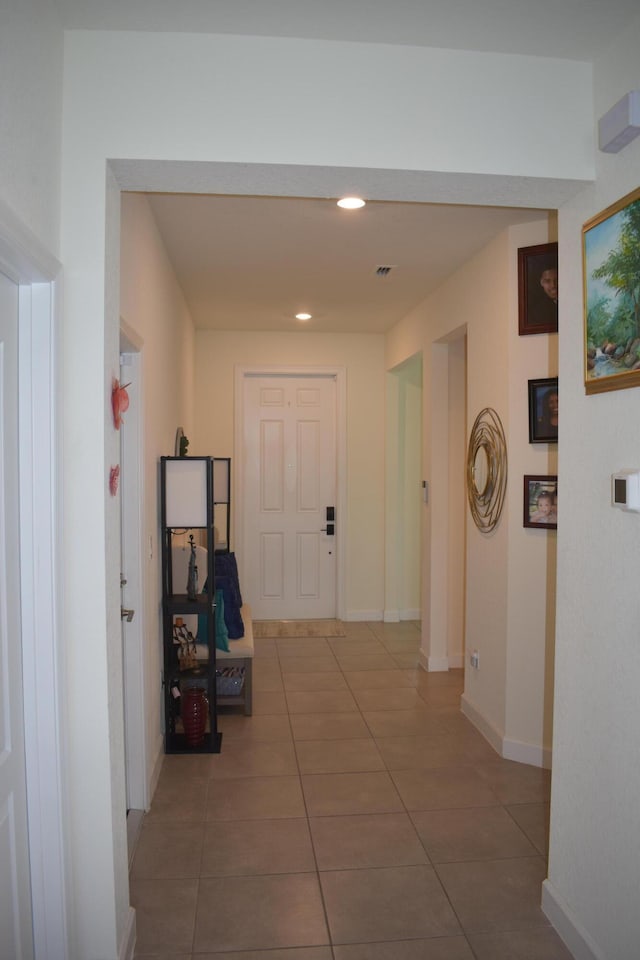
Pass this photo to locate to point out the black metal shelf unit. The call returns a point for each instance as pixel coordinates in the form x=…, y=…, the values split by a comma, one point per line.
x=202, y=675
x=222, y=503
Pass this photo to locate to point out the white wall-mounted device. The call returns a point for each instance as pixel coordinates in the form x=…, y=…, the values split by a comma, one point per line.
x=620, y=125
x=625, y=490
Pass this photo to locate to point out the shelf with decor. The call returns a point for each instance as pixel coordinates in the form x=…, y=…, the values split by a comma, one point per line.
x=188, y=605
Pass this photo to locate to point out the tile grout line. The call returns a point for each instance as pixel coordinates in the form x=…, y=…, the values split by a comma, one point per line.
x=313, y=845
x=535, y=855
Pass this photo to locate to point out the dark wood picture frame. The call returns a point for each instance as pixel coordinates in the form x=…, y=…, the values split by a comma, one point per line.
x=543, y=410
x=538, y=289
x=540, y=502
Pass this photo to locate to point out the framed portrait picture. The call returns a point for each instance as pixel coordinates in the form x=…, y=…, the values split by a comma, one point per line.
x=538, y=289
x=543, y=410
x=611, y=267
x=541, y=502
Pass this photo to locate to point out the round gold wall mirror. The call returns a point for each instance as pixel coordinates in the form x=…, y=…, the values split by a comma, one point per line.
x=486, y=470
x=481, y=470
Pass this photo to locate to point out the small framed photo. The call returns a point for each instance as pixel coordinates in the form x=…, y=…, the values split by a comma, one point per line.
x=543, y=410
x=538, y=289
x=541, y=502
x=611, y=266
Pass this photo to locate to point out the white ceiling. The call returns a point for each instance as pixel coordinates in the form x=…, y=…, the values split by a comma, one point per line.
x=252, y=263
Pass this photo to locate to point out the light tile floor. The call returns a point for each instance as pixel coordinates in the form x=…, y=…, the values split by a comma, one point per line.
x=357, y=815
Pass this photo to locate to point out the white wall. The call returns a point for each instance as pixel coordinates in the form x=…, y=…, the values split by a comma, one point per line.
x=532, y=553
x=31, y=64
x=222, y=99
x=507, y=576
x=458, y=512
x=594, y=865
x=31, y=48
x=217, y=354
x=231, y=100
x=403, y=497
x=478, y=298
x=152, y=305
x=409, y=604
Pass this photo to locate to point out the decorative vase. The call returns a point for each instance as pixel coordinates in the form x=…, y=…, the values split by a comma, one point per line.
x=194, y=715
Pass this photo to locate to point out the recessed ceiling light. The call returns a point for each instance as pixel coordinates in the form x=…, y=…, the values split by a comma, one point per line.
x=303, y=316
x=351, y=203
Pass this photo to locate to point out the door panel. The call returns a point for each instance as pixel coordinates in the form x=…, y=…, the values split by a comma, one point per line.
x=309, y=466
x=15, y=887
x=290, y=480
x=309, y=572
x=272, y=466
x=272, y=565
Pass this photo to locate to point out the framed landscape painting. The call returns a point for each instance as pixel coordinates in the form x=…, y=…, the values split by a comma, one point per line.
x=611, y=275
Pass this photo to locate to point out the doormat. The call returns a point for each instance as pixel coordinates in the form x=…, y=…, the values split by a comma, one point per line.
x=278, y=629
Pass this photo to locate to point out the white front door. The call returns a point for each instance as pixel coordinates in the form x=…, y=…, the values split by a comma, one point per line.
x=289, y=458
x=16, y=937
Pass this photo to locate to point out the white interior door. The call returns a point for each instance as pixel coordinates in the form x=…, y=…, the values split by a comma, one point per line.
x=131, y=577
x=289, y=545
x=16, y=937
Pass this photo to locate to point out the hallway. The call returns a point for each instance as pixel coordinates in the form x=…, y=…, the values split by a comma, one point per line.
x=357, y=815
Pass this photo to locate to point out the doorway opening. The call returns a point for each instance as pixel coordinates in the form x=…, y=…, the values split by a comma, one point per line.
x=35, y=272
x=457, y=513
x=404, y=493
x=285, y=181
x=132, y=585
x=444, y=647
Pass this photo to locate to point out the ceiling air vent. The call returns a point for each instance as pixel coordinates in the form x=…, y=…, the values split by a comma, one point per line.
x=383, y=271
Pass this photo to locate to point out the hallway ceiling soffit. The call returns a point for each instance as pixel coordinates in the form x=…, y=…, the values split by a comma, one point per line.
x=571, y=29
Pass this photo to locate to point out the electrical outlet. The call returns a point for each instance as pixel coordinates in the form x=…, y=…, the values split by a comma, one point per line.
x=474, y=660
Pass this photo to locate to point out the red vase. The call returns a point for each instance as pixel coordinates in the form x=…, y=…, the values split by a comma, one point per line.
x=194, y=715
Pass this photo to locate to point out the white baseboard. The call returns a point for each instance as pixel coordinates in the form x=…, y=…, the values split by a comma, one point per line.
x=356, y=616
x=437, y=664
x=532, y=754
x=388, y=615
x=410, y=614
x=128, y=942
x=576, y=939
x=134, y=827
x=157, y=767
x=432, y=664
x=488, y=731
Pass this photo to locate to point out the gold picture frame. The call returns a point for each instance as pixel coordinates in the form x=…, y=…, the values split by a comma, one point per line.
x=610, y=270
